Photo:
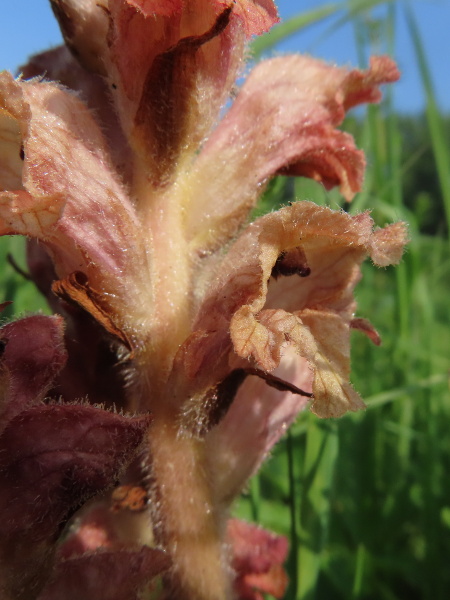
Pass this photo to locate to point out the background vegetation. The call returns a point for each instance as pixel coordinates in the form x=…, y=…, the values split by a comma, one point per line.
x=365, y=499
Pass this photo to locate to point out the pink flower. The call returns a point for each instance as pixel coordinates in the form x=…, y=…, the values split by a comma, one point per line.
x=139, y=199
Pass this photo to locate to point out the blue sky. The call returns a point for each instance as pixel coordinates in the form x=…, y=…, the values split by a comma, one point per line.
x=27, y=26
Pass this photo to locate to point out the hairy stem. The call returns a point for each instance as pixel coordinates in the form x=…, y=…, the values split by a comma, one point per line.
x=187, y=524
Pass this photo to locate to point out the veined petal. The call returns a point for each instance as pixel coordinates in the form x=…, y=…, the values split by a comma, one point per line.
x=170, y=65
x=312, y=313
x=66, y=193
x=59, y=65
x=180, y=63
x=283, y=120
x=10, y=160
x=329, y=351
x=258, y=16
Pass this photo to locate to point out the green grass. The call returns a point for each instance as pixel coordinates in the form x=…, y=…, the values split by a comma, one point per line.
x=14, y=285
x=364, y=499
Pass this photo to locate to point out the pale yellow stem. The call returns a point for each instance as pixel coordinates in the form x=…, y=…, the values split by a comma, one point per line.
x=187, y=523
x=170, y=282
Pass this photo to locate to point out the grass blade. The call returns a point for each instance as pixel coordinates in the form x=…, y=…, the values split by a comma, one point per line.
x=318, y=469
x=435, y=122
x=291, y=26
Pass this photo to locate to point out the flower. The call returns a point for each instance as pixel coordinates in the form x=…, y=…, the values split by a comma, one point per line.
x=137, y=199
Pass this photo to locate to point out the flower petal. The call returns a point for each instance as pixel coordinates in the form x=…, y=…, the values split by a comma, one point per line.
x=283, y=120
x=328, y=349
x=69, y=197
x=58, y=65
x=170, y=63
x=388, y=244
x=258, y=417
x=171, y=81
x=10, y=147
x=258, y=16
x=266, y=315
x=166, y=62
x=84, y=25
x=180, y=62
x=258, y=556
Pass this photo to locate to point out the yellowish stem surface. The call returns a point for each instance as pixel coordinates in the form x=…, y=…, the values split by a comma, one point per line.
x=187, y=523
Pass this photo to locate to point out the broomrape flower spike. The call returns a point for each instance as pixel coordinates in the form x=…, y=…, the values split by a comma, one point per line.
x=185, y=340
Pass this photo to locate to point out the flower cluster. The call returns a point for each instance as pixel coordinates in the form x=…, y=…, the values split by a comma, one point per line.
x=185, y=339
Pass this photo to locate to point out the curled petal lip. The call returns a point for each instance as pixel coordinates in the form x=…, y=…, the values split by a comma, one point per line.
x=263, y=315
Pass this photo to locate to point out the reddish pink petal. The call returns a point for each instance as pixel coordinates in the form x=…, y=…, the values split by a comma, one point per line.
x=66, y=194
x=160, y=8
x=258, y=16
x=170, y=63
x=283, y=120
x=171, y=68
x=258, y=556
x=65, y=168
x=161, y=64
x=60, y=66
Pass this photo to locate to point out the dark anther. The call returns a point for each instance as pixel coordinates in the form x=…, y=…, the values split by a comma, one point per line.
x=290, y=263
